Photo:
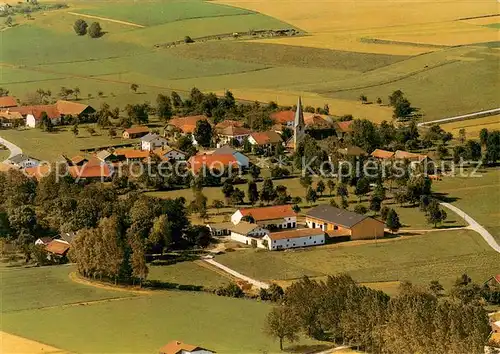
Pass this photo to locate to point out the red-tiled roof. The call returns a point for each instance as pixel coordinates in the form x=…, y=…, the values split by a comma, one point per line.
x=38, y=172
x=186, y=124
x=37, y=111
x=92, y=169
x=58, y=247
x=402, y=155
x=282, y=235
x=316, y=120
x=8, y=114
x=235, y=131
x=264, y=138
x=229, y=123
x=78, y=159
x=70, y=108
x=382, y=154
x=8, y=101
x=176, y=347
x=283, y=117
x=212, y=161
x=132, y=153
x=345, y=127
x=137, y=130
x=269, y=213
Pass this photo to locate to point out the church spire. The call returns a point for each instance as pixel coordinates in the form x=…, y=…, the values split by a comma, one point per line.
x=299, y=115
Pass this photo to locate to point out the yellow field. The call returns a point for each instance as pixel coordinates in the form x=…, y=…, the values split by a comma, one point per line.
x=339, y=24
x=338, y=107
x=473, y=126
x=11, y=344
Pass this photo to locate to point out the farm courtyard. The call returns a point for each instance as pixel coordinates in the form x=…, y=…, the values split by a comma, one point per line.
x=341, y=51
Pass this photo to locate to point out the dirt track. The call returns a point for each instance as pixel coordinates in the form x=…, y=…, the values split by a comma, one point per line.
x=108, y=19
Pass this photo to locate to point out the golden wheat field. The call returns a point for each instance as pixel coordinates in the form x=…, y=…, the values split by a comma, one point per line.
x=355, y=25
x=473, y=127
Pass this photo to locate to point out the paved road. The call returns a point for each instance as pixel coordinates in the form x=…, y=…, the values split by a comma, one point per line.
x=486, y=113
x=258, y=284
x=474, y=225
x=14, y=149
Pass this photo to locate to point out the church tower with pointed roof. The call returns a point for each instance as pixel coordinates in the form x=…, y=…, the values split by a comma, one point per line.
x=299, y=126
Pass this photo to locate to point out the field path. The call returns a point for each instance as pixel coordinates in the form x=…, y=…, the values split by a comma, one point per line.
x=14, y=149
x=107, y=19
x=489, y=112
x=474, y=225
x=258, y=284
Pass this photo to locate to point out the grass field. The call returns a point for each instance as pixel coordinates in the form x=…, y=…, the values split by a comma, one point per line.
x=477, y=196
x=473, y=126
x=50, y=146
x=4, y=154
x=44, y=305
x=441, y=255
x=187, y=273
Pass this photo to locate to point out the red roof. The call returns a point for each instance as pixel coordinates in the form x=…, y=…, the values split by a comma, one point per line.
x=402, y=155
x=132, y=153
x=235, y=131
x=37, y=111
x=229, y=123
x=38, y=172
x=92, y=169
x=345, y=127
x=283, y=117
x=70, y=108
x=137, y=130
x=176, y=347
x=269, y=213
x=382, y=154
x=58, y=247
x=187, y=124
x=8, y=101
x=212, y=161
x=264, y=138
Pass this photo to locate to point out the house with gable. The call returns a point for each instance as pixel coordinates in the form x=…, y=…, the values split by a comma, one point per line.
x=271, y=217
x=151, y=142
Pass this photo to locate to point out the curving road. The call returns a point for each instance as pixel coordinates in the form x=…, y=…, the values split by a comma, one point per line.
x=256, y=283
x=474, y=225
x=14, y=149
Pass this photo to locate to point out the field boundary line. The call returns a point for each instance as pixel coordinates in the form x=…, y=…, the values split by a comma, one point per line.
x=107, y=19
x=480, y=114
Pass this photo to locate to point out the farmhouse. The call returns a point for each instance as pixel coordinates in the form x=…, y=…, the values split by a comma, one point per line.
x=186, y=125
x=92, y=170
x=230, y=134
x=220, y=162
x=245, y=232
x=68, y=108
x=8, y=102
x=10, y=119
x=382, y=154
x=273, y=217
x=340, y=222
x=229, y=123
x=135, y=132
x=58, y=248
x=33, y=114
x=130, y=155
x=243, y=161
x=267, y=141
x=43, y=241
x=167, y=153
x=352, y=151
x=106, y=156
x=343, y=129
x=220, y=229
x=293, y=239
x=38, y=172
x=176, y=347
x=152, y=142
x=24, y=161
x=410, y=156
x=78, y=160
x=285, y=118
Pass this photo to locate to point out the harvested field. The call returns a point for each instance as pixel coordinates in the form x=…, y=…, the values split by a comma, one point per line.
x=11, y=344
x=473, y=126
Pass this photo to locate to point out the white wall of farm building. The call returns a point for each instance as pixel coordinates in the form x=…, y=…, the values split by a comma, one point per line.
x=295, y=242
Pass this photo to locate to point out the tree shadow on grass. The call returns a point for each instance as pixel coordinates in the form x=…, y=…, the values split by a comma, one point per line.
x=312, y=348
x=444, y=197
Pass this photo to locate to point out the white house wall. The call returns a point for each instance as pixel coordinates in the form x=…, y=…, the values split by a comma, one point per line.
x=305, y=241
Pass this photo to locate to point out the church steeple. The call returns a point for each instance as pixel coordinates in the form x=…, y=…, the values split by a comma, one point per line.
x=299, y=125
x=299, y=115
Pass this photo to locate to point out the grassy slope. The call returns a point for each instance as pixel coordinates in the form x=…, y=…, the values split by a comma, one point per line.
x=25, y=289
x=478, y=197
x=187, y=273
x=442, y=255
x=136, y=324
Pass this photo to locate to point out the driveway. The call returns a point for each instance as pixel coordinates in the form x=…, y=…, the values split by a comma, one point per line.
x=256, y=283
x=14, y=149
x=474, y=225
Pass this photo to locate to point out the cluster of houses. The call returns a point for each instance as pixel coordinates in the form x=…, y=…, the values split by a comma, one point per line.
x=276, y=227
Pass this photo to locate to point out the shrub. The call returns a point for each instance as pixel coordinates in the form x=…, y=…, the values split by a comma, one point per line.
x=230, y=290
x=190, y=287
x=95, y=30
x=188, y=39
x=360, y=209
x=80, y=27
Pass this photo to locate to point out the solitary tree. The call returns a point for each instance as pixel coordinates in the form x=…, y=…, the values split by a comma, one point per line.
x=80, y=27
x=203, y=133
x=134, y=87
x=9, y=21
x=95, y=30
x=75, y=130
x=320, y=187
x=363, y=99
x=217, y=204
x=76, y=93
x=311, y=195
x=282, y=324
x=392, y=221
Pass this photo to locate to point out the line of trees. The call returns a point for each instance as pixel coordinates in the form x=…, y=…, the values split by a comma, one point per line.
x=418, y=320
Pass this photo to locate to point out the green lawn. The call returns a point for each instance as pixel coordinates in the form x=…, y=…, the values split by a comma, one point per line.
x=50, y=146
x=441, y=255
x=477, y=196
x=187, y=273
x=32, y=307
x=4, y=154
x=34, y=288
